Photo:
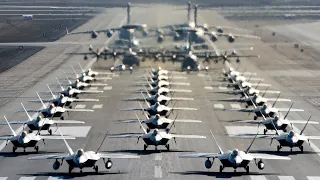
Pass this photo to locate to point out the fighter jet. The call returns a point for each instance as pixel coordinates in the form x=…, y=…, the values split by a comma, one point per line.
x=247, y=91
x=87, y=79
x=41, y=124
x=63, y=100
x=109, y=32
x=255, y=99
x=162, y=99
x=265, y=110
x=92, y=73
x=234, y=158
x=82, y=159
x=163, y=90
x=156, y=137
x=277, y=122
x=157, y=108
x=160, y=122
x=81, y=85
x=25, y=140
x=72, y=92
x=289, y=139
x=54, y=111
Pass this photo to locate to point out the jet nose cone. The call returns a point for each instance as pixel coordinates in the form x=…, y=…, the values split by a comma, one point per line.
x=82, y=159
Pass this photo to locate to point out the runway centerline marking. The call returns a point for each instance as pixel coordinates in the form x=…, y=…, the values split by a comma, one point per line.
x=93, y=88
x=97, y=106
x=286, y=178
x=222, y=88
x=80, y=106
x=235, y=106
x=208, y=88
x=107, y=88
x=157, y=172
x=259, y=177
x=28, y=178
x=158, y=157
x=218, y=106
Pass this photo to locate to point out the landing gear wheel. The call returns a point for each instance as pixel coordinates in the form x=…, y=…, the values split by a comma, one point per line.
x=62, y=118
x=290, y=149
x=255, y=117
x=70, y=107
x=96, y=169
x=148, y=130
x=80, y=170
x=278, y=148
x=50, y=131
x=247, y=169
x=70, y=169
x=145, y=147
x=36, y=148
x=24, y=149
x=301, y=149
x=221, y=168
x=30, y=131
x=14, y=149
x=265, y=131
x=168, y=147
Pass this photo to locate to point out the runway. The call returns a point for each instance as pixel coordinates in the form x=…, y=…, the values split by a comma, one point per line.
x=20, y=83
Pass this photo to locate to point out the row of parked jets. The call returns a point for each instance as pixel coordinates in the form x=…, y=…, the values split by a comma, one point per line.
x=56, y=107
x=271, y=119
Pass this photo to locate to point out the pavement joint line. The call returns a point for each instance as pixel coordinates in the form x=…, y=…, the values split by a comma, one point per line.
x=3, y=144
x=157, y=172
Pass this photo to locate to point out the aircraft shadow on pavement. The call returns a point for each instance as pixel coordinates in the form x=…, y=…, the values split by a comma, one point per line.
x=147, y=152
x=20, y=152
x=74, y=174
x=223, y=174
x=284, y=152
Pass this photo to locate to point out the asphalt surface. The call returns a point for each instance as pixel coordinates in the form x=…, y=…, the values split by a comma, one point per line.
x=37, y=71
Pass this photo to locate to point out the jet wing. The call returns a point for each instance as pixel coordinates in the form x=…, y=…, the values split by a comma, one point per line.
x=313, y=137
x=187, y=120
x=239, y=35
x=15, y=122
x=126, y=136
x=102, y=78
x=241, y=110
x=85, y=100
x=29, y=110
x=182, y=99
x=279, y=100
x=296, y=122
x=49, y=156
x=230, y=91
x=57, y=137
x=90, y=91
x=250, y=136
x=268, y=156
x=188, y=136
x=6, y=137
x=181, y=90
x=132, y=109
x=184, y=108
x=288, y=109
x=67, y=122
x=117, y=156
x=249, y=121
x=98, y=84
x=233, y=100
x=79, y=110
x=200, y=155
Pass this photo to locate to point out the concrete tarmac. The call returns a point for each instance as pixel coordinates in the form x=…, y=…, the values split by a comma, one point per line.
x=22, y=81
